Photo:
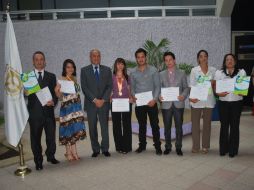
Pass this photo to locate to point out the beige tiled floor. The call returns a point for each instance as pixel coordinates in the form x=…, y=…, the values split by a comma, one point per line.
x=146, y=170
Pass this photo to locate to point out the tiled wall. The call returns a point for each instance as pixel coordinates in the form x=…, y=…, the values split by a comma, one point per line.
x=62, y=39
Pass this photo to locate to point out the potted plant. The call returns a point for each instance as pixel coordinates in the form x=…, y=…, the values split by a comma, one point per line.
x=155, y=56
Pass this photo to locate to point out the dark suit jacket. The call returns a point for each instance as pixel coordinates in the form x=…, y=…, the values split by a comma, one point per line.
x=91, y=88
x=35, y=109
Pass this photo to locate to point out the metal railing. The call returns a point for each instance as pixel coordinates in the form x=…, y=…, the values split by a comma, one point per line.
x=25, y=14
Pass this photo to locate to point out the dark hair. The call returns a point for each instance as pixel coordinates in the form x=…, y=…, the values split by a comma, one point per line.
x=121, y=60
x=65, y=63
x=140, y=50
x=39, y=52
x=169, y=53
x=224, y=67
x=200, y=51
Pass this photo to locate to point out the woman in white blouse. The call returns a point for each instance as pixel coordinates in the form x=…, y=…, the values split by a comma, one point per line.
x=230, y=108
x=203, y=74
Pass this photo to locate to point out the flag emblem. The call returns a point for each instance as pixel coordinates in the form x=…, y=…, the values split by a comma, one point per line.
x=13, y=85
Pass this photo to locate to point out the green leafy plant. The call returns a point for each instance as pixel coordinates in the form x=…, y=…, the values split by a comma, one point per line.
x=155, y=52
x=155, y=56
x=185, y=67
x=130, y=64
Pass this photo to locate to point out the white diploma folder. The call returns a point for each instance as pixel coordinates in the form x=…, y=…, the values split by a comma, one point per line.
x=44, y=96
x=199, y=92
x=67, y=86
x=170, y=94
x=143, y=98
x=120, y=105
x=225, y=85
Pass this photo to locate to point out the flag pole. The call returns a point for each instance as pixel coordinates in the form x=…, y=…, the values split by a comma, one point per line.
x=8, y=8
x=22, y=170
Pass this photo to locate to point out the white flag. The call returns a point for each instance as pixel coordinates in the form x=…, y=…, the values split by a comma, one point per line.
x=15, y=110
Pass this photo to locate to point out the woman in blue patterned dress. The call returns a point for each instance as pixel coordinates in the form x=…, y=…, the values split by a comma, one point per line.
x=72, y=126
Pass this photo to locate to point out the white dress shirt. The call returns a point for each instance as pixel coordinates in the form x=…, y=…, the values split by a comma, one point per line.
x=196, y=74
x=220, y=75
x=37, y=73
x=98, y=68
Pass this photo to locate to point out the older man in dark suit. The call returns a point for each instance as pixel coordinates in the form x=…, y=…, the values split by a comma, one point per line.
x=96, y=84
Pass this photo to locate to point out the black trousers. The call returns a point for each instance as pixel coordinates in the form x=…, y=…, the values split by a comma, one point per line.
x=168, y=115
x=141, y=114
x=36, y=127
x=230, y=113
x=122, y=131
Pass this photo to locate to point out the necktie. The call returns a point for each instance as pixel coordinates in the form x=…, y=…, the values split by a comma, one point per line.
x=40, y=78
x=97, y=74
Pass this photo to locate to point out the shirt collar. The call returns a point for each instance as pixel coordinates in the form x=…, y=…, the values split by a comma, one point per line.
x=146, y=68
x=98, y=67
x=37, y=72
x=172, y=71
x=228, y=71
x=208, y=70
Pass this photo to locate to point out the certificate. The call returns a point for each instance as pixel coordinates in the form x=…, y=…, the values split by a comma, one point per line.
x=120, y=105
x=205, y=81
x=225, y=85
x=199, y=92
x=143, y=98
x=170, y=94
x=67, y=86
x=30, y=82
x=242, y=85
x=44, y=96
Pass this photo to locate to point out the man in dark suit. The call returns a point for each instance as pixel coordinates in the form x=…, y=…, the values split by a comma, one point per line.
x=42, y=116
x=96, y=84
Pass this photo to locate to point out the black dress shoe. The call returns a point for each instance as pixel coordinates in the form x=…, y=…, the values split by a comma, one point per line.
x=231, y=155
x=126, y=151
x=167, y=151
x=53, y=161
x=106, y=154
x=119, y=150
x=38, y=166
x=158, y=151
x=95, y=154
x=222, y=153
x=179, y=152
x=140, y=149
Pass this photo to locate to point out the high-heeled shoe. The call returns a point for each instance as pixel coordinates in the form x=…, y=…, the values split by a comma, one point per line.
x=205, y=150
x=195, y=151
x=69, y=157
